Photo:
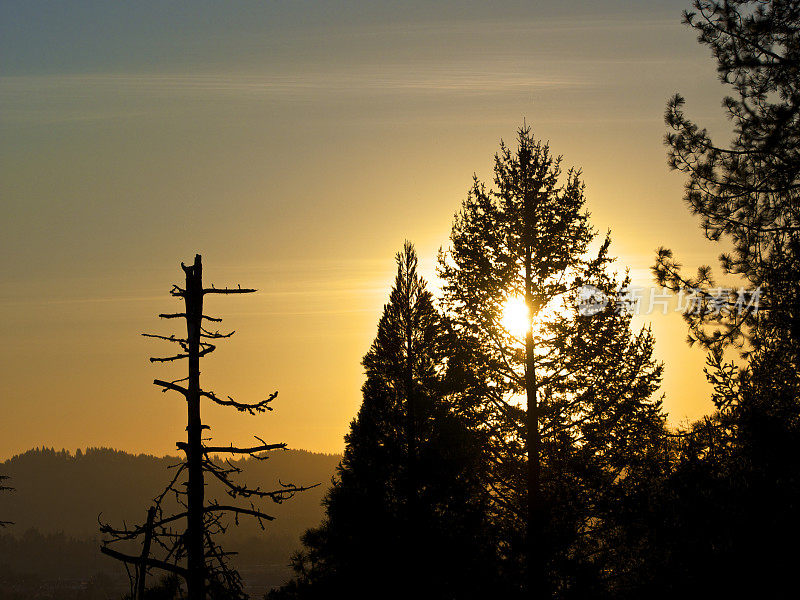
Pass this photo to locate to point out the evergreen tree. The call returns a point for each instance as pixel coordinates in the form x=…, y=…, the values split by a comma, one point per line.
x=732, y=494
x=749, y=195
x=405, y=516
x=567, y=395
x=746, y=193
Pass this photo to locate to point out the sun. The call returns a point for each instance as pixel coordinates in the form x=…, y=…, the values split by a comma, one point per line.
x=515, y=316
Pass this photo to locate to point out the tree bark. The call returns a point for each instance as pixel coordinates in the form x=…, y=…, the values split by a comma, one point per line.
x=148, y=536
x=194, y=449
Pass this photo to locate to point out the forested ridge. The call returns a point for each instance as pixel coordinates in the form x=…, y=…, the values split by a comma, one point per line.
x=49, y=544
x=97, y=480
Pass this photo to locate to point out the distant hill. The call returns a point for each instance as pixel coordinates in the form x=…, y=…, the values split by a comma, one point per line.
x=58, y=492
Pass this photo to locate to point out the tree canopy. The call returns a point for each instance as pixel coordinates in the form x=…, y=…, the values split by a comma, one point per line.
x=567, y=399
x=406, y=514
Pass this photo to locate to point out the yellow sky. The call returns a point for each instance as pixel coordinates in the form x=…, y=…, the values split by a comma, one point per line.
x=296, y=149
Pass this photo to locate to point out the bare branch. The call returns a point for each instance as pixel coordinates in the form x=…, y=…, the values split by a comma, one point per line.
x=168, y=358
x=239, y=510
x=252, y=408
x=182, y=315
x=276, y=496
x=126, y=534
x=264, y=447
x=170, y=385
x=151, y=562
x=170, y=338
x=194, y=546
x=208, y=349
x=214, y=335
x=236, y=290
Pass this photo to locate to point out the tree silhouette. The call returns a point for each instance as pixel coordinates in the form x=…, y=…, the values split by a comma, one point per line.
x=192, y=553
x=567, y=397
x=405, y=516
x=736, y=482
x=746, y=193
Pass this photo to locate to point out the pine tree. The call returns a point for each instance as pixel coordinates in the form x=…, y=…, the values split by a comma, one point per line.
x=567, y=395
x=747, y=193
x=405, y=516
x=736, y=482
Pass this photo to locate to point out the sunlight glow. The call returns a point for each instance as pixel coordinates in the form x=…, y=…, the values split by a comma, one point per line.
x=515, y=316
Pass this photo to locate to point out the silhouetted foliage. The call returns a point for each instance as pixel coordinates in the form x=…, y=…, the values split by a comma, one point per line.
x=406, y=515
x=567, y=401
x=746, y=193
x=193, y=552
x=727, y=512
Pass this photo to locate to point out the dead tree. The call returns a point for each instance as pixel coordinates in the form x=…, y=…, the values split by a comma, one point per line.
x=191, y=551
x=5, y=488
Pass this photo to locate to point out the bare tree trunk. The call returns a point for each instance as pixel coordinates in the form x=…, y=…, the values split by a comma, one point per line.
x=194, y=449
x=148, y=536
x=196, y=542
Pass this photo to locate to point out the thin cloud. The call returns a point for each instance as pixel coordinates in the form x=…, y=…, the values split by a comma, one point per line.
x=439, y=79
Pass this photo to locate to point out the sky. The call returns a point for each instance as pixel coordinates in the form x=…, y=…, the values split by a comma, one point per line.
x=296, y=145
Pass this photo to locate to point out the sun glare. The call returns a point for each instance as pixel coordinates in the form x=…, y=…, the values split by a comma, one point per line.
x=515, y=316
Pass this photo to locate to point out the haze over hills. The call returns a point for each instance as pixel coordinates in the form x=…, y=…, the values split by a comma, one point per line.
x=59, y=495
